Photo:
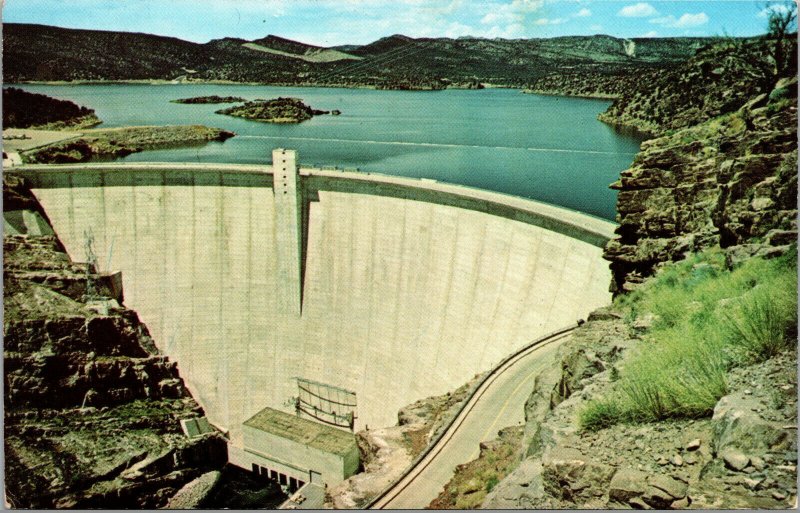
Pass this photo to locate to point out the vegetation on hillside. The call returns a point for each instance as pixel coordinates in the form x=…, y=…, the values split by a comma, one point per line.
x=394, y=62
x=473, y=481
x=22, y=109
x=704, y=319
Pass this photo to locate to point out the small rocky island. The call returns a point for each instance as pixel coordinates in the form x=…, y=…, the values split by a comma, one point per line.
x=278, y=110
x=209, y=99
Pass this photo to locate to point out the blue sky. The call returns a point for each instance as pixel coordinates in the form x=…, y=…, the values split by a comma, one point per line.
x=333, y=22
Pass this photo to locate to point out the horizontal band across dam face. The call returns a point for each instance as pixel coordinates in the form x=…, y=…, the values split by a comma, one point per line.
x=402, y=288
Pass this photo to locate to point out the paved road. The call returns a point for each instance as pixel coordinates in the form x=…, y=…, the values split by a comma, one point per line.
x=501, y=404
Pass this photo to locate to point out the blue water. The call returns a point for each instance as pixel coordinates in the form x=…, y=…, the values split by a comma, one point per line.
x=547, y=148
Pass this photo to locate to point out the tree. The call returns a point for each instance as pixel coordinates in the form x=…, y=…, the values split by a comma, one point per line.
x=782, y=22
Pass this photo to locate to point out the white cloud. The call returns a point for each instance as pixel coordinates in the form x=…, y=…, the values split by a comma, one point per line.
x=686, y=20
x=596, y=27
x=456, y=29
x=510, y=13
x=640, y=10
x=502, y=16
x=513, y=31
x=549, y=21
x=583, y=13
x=652, y=33
x=526, y=5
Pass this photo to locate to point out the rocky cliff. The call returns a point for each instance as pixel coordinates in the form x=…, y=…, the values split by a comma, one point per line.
x=723, y=169
x=92, y=410
x=730, y=181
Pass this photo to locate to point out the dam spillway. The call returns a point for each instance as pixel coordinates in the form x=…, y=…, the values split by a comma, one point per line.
x=409, y=287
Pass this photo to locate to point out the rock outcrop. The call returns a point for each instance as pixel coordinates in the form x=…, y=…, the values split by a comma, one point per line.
x=731, y=181
x=120, y=142
x=92, y=411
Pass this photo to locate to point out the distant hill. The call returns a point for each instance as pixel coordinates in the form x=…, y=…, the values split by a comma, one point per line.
x=22, y=109
x=45, y=53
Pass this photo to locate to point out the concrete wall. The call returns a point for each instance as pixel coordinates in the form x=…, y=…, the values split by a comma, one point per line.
x=403, y=298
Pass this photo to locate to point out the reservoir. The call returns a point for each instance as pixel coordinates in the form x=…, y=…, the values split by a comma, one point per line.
x=546, y=148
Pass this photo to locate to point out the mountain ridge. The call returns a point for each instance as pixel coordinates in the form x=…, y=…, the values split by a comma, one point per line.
x=35, y=52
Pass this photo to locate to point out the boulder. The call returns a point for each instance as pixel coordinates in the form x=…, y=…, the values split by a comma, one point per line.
x=735, y=460
x=627, y=484
x=570, y=474
x=738, y=426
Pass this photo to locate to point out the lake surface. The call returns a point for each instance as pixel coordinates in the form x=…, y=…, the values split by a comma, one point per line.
x=547, y=148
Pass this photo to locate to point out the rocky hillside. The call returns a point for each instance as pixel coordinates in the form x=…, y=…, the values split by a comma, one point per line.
x=593, y=81
x=22, y=109
x=92, y=409
x=723, y=170
x=392, y=62
x=742, y=454
x=718, y=80
x=730, y=181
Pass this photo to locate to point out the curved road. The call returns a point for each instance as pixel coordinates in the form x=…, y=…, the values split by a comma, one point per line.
x=499, y=402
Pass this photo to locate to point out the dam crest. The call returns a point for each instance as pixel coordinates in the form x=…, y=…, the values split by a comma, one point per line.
x=393, y=288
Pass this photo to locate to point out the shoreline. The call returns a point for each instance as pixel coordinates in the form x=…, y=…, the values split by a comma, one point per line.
x=159, y=81
x=596, y=96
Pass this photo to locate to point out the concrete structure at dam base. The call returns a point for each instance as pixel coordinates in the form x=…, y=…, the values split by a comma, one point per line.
x=395, y=289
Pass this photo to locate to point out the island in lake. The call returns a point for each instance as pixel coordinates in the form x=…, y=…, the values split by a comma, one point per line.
x=210, y=99
x=278, y=110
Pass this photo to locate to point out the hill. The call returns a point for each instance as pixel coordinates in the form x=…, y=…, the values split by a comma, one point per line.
x=22, y=109
x=45, y=53
x=719, y=79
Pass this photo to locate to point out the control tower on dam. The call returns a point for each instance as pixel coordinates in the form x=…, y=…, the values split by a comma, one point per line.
x=391, y=288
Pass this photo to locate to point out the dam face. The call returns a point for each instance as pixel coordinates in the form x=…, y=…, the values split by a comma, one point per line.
x=409, y=287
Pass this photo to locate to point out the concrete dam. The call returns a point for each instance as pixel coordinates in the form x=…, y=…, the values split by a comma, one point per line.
x=393, y=288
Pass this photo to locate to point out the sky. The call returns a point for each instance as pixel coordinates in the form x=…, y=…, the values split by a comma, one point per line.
x=336, y=22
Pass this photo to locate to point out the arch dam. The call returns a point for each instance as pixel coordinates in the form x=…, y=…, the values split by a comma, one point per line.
x=397, y=289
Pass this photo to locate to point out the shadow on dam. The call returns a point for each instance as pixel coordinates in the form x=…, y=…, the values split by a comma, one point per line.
x=409, y=287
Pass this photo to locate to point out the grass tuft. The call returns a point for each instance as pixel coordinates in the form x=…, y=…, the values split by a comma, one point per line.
x=707, y=319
